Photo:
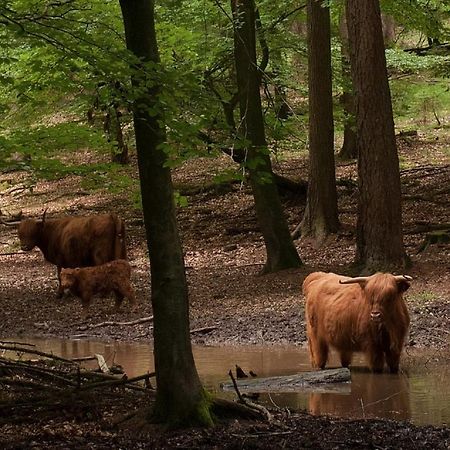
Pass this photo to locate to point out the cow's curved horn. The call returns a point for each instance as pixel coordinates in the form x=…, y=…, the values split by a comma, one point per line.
x=354, y=280
x=402, y=278
x=10, y=224
x=43, y=215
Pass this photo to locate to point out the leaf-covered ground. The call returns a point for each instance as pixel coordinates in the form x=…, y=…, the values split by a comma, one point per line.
x=224, y=255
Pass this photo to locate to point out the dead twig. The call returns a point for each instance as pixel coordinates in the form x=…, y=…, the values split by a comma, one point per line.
x=17, y=343
x=112, y=323
x=117, y=382
x=13, y=348
x=203, y=330
x=28, y=384
x=84, y=358
x=28, y=368
x=263, y=411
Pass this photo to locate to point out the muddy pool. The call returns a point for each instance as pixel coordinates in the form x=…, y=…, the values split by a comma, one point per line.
x=420, y=394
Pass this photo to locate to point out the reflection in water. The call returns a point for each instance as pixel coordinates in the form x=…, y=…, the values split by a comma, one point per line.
x=422, y=396
x=372, y=395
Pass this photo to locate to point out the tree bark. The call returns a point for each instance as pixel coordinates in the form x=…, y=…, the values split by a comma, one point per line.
x=379, y=224
x=349, y=149
x=321, y=213
x=180, y=398
x=281, y=252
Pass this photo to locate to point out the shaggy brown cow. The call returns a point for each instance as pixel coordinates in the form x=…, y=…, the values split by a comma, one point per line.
x=75, y=241
x=364, y=314
x=112, y=277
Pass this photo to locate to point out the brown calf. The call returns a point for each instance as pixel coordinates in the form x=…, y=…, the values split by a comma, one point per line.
x=100, y=280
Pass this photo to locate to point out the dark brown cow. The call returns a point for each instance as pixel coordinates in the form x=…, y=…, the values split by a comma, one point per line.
x=75, y=241
x=364, y=314
x=112, y=277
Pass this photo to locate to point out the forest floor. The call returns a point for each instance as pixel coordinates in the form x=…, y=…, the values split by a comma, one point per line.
x=224, y=255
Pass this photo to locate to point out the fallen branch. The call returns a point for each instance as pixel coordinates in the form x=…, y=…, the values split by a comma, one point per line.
x=105, y=376
x=112, y=323
x=102, y=363
x=241, y=399
x=249, y=404
x=84, y=358
x=18, y=366
x=17, y=343
x=27, y=384
x=35, y=352
x=316, y=380
x=425, y=226
x=118, y=382
x=203, y=330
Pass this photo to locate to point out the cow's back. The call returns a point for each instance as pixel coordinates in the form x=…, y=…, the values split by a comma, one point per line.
x=85, y=241
x=334, y=310
x=106, y=238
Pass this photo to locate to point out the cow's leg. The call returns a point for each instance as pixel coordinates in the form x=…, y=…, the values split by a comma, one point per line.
x=130, y=295
x=59, y=292
x=119, y=296
x=376, y=360
x=346, y=358
x=318, y=351
x=85, y=302
x=322, y=356
x=393, y=360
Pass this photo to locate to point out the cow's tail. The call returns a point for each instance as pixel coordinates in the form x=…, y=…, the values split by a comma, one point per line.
x=120, y=246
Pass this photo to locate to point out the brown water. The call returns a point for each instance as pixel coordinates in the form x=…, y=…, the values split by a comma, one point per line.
x=422, y=395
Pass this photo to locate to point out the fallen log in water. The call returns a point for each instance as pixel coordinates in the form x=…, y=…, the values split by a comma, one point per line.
x=319, y=381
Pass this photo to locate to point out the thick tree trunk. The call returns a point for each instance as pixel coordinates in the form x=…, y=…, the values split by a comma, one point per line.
x=321, y=213
x=379, y=226
x=180, y=398
x=281, y=252
x=349, y=149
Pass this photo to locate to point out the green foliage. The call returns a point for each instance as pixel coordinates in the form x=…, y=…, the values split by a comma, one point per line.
x=402, y=62
x=69, y=56
x=52, y=152
x=429, y=17
x=180, y=200
x=420, y=99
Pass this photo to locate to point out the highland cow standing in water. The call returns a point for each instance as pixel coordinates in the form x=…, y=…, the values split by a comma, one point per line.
x=75, y=241
x=364, y=314
x=87, y=282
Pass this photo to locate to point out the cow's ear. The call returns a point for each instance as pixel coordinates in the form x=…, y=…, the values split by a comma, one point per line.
x=403, y=285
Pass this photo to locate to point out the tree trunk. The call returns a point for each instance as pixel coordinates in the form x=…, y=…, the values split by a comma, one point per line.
x=379, y=225
x=321, y=213
x=113, y=129
x=281, y=252
x=349, y=149
x=180, y=398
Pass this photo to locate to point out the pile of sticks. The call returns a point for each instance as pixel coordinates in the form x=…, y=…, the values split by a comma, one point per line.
x=32, y=386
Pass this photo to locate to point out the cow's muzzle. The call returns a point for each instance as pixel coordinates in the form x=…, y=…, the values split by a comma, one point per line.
x=376, y=316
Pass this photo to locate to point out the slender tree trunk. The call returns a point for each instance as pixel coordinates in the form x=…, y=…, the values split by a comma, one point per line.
x=321, y=213
x=281, y=252
x=349, y=149
x=180, y=398
x=113, y=129
x=379, y=226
